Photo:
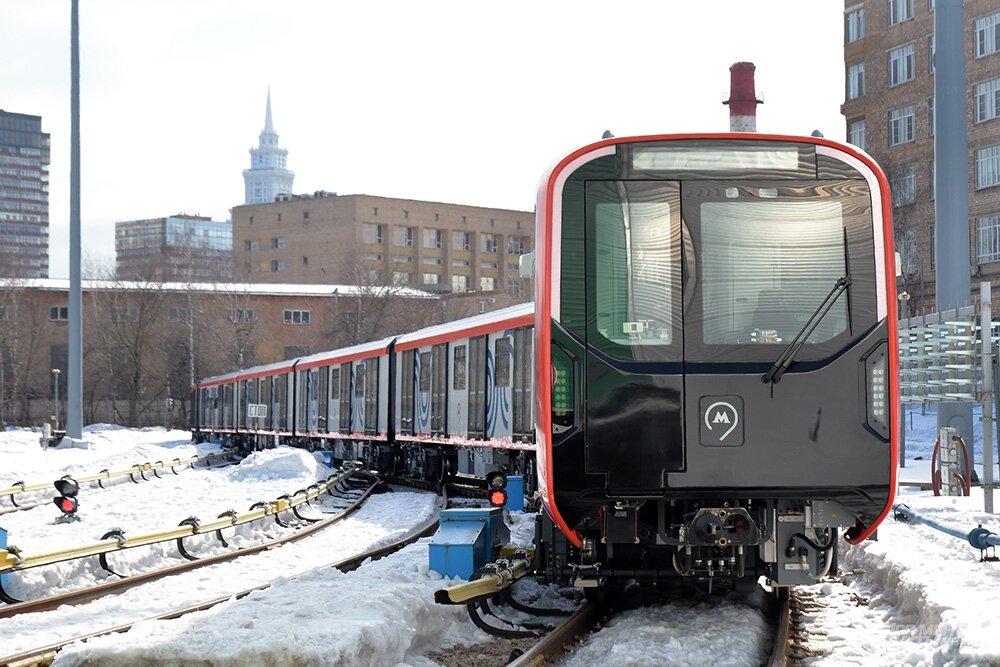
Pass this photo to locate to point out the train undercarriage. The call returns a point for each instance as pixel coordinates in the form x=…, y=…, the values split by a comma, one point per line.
x=712, y=540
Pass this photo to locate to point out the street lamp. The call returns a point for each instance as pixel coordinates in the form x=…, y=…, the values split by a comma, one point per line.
x=904, y=298
x=55, y=373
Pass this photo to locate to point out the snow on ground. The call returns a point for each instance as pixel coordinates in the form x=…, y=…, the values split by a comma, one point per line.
x=915, y=596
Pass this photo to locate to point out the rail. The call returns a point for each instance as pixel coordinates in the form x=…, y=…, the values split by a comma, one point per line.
x=47, y=654
x=12, y=560
x=138, y=469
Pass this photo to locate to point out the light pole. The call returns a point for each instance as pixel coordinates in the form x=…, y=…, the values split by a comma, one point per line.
x=904, y=298
x=55, y=411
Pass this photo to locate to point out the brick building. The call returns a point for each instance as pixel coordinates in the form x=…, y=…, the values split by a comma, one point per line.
x=369, y=240
x=889, y=112
x=145, y=341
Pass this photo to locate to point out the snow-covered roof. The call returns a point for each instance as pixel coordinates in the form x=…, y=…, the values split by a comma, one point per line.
x=274, y=289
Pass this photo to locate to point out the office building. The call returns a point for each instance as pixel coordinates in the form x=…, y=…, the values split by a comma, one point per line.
x=24, y=196
x=177, y=247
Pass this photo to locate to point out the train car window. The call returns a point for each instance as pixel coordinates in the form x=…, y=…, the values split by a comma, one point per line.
x=634, y=257
x=762, y=277
x=335, y=384
x=406, y=384
x=459, y=361
x=359, y=380
x=425, y=371
x=501, y=362
x=345, y=397
x=371, y=398
x=769, y=254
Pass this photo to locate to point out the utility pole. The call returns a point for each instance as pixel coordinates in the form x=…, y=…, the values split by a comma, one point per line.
x=74, y=373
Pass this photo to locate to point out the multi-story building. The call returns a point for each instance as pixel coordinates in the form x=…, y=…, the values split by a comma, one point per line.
x=268, y=175
x=368, y=240
x=889, y=111
x=178, y=247
x=24, y=196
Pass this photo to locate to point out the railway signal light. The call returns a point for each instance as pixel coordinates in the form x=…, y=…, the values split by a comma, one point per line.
x=66, y=500
x=496, y=480
x=497, y=497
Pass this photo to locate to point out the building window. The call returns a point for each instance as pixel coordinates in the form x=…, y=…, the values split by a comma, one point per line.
x=403, y=236
x=297, y=316
x=515, y=288
x=517, y=245
x=376, y=211
x=461, y=241
x=433, y=238
x=930, y=48
x=6, y=313
x=278, y=242
x=125, y=314
x=459, y=283
x=251, y=267
x=854, y=24
x=406, y=215
x=460, y=262
x=855, y=81
x=242, y=315
x=59, y=313
x=933, y=176
x=253, y=246
x=988, y=239
x=488, y=242
x=856, y=133
x=487, y=283
x=279, y=217
x=305, y=215
x=277, y=265
x=987, y=35
x=899, y=11
x=903, y=183
x=305, y=260
x=432, y=278
x=901, y=125
x=907, y=246
x=930, y=115
x=373, y=234
x=179, y=314
x=988, y=167
x=402, y=259
x=901, y=65
x=987, y=100
x=433, y=261
x=373, y=256
x=400, y=278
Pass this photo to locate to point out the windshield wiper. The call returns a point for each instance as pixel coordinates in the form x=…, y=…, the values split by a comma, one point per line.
x=787, y=356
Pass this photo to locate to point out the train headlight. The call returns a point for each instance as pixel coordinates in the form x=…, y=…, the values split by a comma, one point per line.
x=877, y=389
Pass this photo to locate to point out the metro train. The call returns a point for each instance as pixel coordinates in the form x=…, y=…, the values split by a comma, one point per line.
x=714, y=332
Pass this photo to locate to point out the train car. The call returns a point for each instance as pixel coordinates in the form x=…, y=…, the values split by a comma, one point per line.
x=463, y=396
x=342, y=402
x=715, y=335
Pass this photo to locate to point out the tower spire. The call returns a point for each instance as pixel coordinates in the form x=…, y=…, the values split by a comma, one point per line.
x=268, y=125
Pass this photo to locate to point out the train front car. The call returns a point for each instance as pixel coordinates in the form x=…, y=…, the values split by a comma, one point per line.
x=715, y=316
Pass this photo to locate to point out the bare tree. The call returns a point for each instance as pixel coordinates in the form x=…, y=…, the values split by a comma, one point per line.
x=21, y=313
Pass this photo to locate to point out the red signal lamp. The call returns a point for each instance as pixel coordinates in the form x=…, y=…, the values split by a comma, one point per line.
x=66, y=500
x=497, y=497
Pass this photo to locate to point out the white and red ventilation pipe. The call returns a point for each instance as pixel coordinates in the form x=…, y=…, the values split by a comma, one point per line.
x=742, y=98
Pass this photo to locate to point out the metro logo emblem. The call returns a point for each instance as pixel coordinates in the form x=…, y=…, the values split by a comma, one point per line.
x=721, y=421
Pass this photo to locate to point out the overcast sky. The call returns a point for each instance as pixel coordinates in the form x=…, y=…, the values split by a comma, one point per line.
x=460, y=102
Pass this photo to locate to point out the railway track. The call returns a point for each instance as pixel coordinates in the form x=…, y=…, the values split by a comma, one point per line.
x=787, y=649
x=44, y=655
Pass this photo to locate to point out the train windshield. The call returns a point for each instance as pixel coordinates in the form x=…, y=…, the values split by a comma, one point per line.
x=727, y=270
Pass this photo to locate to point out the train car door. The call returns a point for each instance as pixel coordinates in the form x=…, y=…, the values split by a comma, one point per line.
x=346, y=392
x=477, y=388
x=322, y=400
x=333, y=410
x=439, y=389
x=458, y=403
x=371, y=394
x=523, y=398
x=407, y=380
x=499, y=373
x=422, y=391
x=634, y=367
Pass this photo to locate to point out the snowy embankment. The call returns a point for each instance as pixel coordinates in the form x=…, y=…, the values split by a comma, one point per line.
x=915, y=596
